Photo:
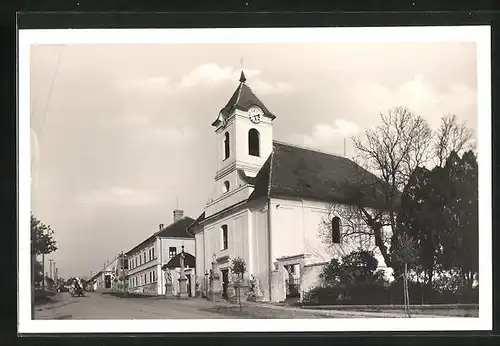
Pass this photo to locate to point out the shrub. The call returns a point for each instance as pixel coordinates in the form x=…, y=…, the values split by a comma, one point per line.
x=353, y=280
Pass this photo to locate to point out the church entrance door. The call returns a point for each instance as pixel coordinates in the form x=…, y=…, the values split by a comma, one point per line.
x=225, y=282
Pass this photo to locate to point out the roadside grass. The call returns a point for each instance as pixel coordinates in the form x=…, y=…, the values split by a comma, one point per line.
x=440, y=312
x=44, y=297
x=444, y=310
x=260, y=312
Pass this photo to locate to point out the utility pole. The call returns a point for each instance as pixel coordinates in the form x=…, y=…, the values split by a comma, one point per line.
x=51, y=263
x=43, y=272
x=122, y=263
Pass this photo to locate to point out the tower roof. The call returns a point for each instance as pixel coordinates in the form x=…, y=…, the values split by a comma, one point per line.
x=243, y=98
x=243, y=79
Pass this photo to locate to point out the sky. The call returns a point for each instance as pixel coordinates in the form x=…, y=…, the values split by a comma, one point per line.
x=121, y=134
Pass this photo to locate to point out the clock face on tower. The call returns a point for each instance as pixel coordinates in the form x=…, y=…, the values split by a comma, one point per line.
x=255, y=113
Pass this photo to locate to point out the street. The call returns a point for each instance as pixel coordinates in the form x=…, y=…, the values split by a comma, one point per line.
x=106, y=306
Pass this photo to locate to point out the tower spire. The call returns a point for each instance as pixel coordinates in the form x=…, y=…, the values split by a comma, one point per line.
x=242, y=77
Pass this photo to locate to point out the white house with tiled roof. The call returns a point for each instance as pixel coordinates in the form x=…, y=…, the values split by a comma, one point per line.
x=270, y=201
x=146, y=259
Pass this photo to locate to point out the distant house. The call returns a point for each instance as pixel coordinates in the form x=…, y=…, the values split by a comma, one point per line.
x=146, y=259
x=173, y=266
x=112, y=277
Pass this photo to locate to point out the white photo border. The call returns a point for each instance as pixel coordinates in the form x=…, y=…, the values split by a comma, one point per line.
x=436, y=34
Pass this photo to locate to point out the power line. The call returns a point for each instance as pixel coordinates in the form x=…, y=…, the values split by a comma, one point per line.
x=51, y=88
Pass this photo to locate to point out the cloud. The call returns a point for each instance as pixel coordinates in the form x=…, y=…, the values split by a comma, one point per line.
x=418, y=94
x=327, y=136
x=207, y=76
x=213, y=75
x=148, y=85
x=118, y=196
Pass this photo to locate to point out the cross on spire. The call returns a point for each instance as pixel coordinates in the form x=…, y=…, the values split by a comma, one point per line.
x=242, y=76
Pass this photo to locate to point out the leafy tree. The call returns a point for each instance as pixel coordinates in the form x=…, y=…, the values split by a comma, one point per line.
x=354, y=277
x=461, y=237
x=439, y=213
x=420, y=221
x=331, y=275
x=38, y=274
x=42, y=237
x=238, y=267
x=42, y=243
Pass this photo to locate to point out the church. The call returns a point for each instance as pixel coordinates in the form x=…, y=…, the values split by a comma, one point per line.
x=270, y=200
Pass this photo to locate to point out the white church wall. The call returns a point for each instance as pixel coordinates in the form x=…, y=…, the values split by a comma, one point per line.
x=260, y=249
x=296, y=228
x=237, y=225
x=242, y=126
x=287, y=227
x=228, y=199
x=223, y=163
x=314, y=215
x=310, y=276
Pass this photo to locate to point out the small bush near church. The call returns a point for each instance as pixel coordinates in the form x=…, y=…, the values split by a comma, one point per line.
x=238, y=267
x=352, y=280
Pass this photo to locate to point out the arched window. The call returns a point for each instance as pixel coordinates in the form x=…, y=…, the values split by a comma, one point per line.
x=226, y=145
x=253, y=142
x=224, y=241
x=336, y=230
x=225, y=187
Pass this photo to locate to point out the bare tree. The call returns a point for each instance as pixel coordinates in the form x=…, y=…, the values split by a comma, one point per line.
x=452, y=136
x=387, y=156
x=395, y=147
x=355, y=233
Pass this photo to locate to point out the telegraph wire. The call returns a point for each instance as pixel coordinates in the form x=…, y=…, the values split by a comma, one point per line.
x=51, y=88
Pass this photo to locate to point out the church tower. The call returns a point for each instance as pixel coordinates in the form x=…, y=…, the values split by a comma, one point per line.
x=244, y=138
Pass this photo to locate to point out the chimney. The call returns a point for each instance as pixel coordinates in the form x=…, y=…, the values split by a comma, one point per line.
x=160, y=226
x=178, y=214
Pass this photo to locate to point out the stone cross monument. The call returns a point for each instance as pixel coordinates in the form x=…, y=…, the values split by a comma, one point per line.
x=182, y=277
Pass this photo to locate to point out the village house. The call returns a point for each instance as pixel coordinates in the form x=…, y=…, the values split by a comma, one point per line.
x=146, y=260
x=112, y=276
x=270, y=200
x=172, y=272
